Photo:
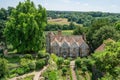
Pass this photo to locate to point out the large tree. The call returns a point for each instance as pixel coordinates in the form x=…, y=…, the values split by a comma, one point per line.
x=104, y=33
x=108, y=61
x=24, y=29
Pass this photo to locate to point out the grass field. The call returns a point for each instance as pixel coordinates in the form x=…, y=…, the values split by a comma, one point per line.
x=60, y=21
x=64, y=32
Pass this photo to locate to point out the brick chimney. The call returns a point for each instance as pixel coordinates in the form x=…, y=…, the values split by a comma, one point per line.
x=59, y=32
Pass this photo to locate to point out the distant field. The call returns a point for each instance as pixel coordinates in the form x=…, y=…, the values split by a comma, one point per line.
x=64, y=32
x=60, y=21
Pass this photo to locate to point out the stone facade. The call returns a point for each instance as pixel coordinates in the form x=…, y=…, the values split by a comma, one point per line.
x=66, y=46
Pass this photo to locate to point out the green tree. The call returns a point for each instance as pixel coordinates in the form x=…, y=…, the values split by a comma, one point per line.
x=104, y=33
x=3, y=68
x=95, y=26
x=108, y=60
x=24, y=29
x=72, y=26
x=79, y=30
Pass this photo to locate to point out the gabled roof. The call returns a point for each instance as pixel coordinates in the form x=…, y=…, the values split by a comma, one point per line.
x=68, y=39
x=102, y=46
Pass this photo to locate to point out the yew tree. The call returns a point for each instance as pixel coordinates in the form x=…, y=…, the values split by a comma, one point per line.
x=25, y=27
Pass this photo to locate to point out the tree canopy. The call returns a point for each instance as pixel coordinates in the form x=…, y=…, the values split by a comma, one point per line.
x=108, y=61
x=24, y=29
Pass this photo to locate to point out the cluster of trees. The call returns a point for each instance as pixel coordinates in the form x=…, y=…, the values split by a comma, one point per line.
x=103, y=65
x=99, y=30
x=84, y=18
x=54, y=27
x=24, y=27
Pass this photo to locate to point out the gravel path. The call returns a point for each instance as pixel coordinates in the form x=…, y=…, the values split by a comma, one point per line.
x=72, y=66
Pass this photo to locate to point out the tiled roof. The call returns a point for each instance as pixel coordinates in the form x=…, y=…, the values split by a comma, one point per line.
x=102, y=46
x=69, y=39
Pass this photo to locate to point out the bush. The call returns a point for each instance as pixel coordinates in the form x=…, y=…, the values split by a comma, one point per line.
x=84, y=68
x=20, y=71
x=3, y=68
x=59, y=62
x=64, y=70
x=54, y=57
x=32, y=66
x=24, y=63
x=39, y=64
x=42, y=55
x=28, y=56
x=78, y=63
x=67, y=62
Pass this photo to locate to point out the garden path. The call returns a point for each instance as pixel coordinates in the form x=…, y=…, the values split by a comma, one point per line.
x=35, y=73
x=72, y=66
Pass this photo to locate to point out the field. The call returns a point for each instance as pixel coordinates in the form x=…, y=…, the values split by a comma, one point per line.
x=60, y=21
x=64, y=32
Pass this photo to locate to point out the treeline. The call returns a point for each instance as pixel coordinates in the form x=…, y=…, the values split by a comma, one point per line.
x=99, y=30
x=54, y=27
x=84, y=18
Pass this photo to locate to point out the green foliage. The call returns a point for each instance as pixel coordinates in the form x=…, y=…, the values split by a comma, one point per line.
x=20, y=71
x=78, y=62
x=64, y=70
x=52, y=75
x=104, y=33
x=32, y=66
x=117, y=26
x=79, y=30
x=72, y=26
x=59, y=62
x=67, y=62
x=28, y=56
x=3, y=68
x=54, y=57
x=40, y=64
x=100, y=30
x=24, y=29
x=42, y=55
x=108, y=60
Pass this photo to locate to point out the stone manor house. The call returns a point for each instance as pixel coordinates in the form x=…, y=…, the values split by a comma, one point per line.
x=66, y=46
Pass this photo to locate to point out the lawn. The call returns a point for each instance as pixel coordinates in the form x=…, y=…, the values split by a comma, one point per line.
x=64, y=32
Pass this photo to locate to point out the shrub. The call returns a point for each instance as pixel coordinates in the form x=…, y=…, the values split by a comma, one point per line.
x=67, y=62
x=39, y=64
x=24, y=63
x=3, y=68
x=28, y=56
x=84, y=68
x=32, y=65
x=78, y=63
x=20, y=71
x=42, y=55
x=64, y=70
x=59, y=62
x=54, y=57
